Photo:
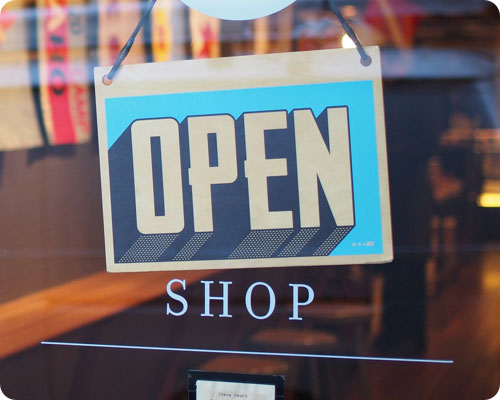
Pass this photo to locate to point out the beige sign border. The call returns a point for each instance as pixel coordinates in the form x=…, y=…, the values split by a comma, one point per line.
x=284, y=69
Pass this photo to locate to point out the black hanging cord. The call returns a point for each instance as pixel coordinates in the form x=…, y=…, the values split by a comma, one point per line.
x=365, y=58
x=108, y=79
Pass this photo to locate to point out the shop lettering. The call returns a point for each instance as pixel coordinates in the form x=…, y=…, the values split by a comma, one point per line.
x=57, y=81
x=57, y=47
x=82, y=111
x=56, y=15
x=316, y=163
x=57, y=58
x=75, y=22
x=181, y=304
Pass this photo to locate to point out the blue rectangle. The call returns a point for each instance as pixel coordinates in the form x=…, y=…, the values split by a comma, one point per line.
x=364, y=238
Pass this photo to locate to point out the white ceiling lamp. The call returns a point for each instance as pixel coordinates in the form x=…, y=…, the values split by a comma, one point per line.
x=3, y=3
x=347, y=42
x=238, y=10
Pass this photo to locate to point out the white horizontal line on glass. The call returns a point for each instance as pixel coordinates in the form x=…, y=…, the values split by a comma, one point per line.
x=253, y=353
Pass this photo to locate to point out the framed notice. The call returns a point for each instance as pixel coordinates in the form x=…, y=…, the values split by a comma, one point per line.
x=229, y=386
x=254, y=161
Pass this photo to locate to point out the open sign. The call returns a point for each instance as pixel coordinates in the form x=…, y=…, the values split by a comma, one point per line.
x=205, y=169
x=315, y=162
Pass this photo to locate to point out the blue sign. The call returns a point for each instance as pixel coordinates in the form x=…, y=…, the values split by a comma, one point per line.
x=281, y=175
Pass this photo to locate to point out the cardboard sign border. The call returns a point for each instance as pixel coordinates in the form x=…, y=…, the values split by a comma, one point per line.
x=322, y=66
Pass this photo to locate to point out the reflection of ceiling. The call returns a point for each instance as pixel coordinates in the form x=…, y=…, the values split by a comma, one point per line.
x=403, y=23
x=460, y=31
x=436, y=7
x=422, y=63
x=451, y=39
x=453, y=6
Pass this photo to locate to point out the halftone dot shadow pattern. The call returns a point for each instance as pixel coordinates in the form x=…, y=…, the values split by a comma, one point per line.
x=192, y=246
x=333, y=240
x=298, y=242
x=260, y=244
x=148, y=248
